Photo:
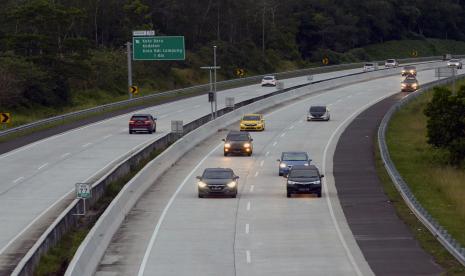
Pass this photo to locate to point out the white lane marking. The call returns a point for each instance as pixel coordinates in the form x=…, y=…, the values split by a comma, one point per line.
x=284, y=134
x=291, y=127
x=248, y=206
x=330, y=104
x=251, y=188
x=247, y=228
x=86, y=145
x=275, y=143
x=249, y=259
x=197, y=106
x=65, y=155
x=180, y=110
x=328, y=201
x=68, y=194
x=42, y=166
x=165, y=211
x=350, y=96
x=267, y=153
x=108, y=136
x=261, y=163
x=163, y=116
x=256, y=174
x=18, y=179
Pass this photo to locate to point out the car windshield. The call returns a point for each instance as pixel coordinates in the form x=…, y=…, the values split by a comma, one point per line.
x=238, y=137
x=251, y=118
x=268, y=78
x=295, y=156
x=210, y=174
x=369, y=64
x=303, y=174
x=409, y=67
x=140, y=118
x=390, y=61
x=410, y=80
x=318, y=109
x=454, y=60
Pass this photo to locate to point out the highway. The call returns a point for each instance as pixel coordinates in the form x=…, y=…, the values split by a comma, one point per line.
x=38, y=179
x=172, y=232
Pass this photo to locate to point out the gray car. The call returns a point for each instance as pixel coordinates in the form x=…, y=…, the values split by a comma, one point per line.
x=217, y=181
x=304, y=180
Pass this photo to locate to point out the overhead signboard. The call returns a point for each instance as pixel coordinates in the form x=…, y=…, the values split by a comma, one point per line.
x=445, y=72
x=159, y=48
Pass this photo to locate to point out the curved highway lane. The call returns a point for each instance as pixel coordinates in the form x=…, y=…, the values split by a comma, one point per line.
x=172, y=232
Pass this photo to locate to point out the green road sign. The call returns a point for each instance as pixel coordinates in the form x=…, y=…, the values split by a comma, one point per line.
x=158, y=48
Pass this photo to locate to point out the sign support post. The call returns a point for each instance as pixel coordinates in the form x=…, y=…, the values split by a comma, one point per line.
x=210, y=68
x=214, y=92
x=128, y=47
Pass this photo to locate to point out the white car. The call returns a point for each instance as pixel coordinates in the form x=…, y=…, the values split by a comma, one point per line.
x=269, y=81
x=391, y=63
x=370, y=67
x=457, y=63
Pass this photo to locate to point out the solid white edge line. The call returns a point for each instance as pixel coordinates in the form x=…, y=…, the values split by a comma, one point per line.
x=165, y=211
x=328, y=201
x=42, y=166
x=248, y=258
x=256, y=174
x=18, y=179
x=251, y=188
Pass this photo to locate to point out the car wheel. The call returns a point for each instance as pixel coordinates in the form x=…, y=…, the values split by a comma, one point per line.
x=225, y=154
x=280, y=174
x=249, y=154
x=288, y=194
x=234, y=196
x=200, y=196
x=130, y=131
x=318, y=194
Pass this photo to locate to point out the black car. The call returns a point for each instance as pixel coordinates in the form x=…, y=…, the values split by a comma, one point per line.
x=238, y=142
x=409, y=70
x=409, y=84
x=318, y=113
x=304, y=180
x=217, y=181
x=142, y=122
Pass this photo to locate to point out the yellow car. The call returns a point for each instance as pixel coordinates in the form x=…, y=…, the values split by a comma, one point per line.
x=252, y=122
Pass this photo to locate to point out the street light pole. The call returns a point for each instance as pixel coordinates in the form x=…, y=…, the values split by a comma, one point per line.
x=214, y=85
x=128, y=49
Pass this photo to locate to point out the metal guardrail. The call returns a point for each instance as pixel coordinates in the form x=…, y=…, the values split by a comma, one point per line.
x=198, y=89
x=441, y=234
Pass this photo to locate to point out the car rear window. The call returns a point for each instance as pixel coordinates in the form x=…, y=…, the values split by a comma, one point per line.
x=454, y=60
x=251, y=118
x=410, y=67
x=238, y=137
x=304, y=173
x=218, y=174
x=140, y=118
x=295, y=156
x=410, y=80
x=268, y=78
x=318, y=109
x=391, y=61
x=369, y=64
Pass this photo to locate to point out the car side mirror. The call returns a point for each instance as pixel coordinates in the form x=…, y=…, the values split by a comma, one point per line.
x=224, y=140
x=199, y=177
x=321, y=176
x=236, y=177
x=154, y=118
x=251, y=140
x=286, y=176
x=310, y=160
x=279, y=160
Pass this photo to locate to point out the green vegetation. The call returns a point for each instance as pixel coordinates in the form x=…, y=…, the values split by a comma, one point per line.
x=427, y=241
x=437, y=184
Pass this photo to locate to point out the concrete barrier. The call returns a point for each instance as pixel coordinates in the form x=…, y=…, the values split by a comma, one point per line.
x=91, y=250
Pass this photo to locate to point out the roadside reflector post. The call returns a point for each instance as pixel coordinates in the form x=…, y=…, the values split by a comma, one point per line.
x=280, y=85
x=177, y=127
x=229, y=102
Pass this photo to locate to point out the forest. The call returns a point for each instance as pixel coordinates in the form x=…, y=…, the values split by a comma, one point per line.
x=57, y=53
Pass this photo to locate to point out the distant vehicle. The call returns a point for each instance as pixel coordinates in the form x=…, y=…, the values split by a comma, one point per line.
x=304, y=180
x=252, y=122
x=391, y=63
x=370, y=66
x=409, y=84
x=217, y=181
x=238, y=142
x=318, y=113
x=290, y=159
x=409, y=70
x=142, y=122
x=269, y=81
x=457, y=63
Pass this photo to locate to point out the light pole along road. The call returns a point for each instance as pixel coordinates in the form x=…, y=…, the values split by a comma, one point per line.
x=38, y=179
x=171, y=231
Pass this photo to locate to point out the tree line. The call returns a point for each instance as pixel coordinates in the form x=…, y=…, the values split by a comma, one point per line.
x=50, y=49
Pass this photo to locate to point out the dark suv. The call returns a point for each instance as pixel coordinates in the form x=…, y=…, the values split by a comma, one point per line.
x=304, y=180
x=238, y=142
x=142, y=122
x=218, y=181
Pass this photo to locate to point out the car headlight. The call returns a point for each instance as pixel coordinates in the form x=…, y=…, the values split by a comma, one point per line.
x=403, y=84
x=316, y=182
x=291, y=182
x=403, y=71
x=414, y=85
x=247, y=145
x=202, y=184
x=227, y=145
x=306, y=164
x=411, y=71
x=232, y=184
x=242, y=124
x=282, y=165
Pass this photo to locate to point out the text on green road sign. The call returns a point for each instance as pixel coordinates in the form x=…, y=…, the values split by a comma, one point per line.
x=159, y=48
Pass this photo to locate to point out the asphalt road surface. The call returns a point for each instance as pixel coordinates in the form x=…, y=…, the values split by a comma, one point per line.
x=262, y=232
